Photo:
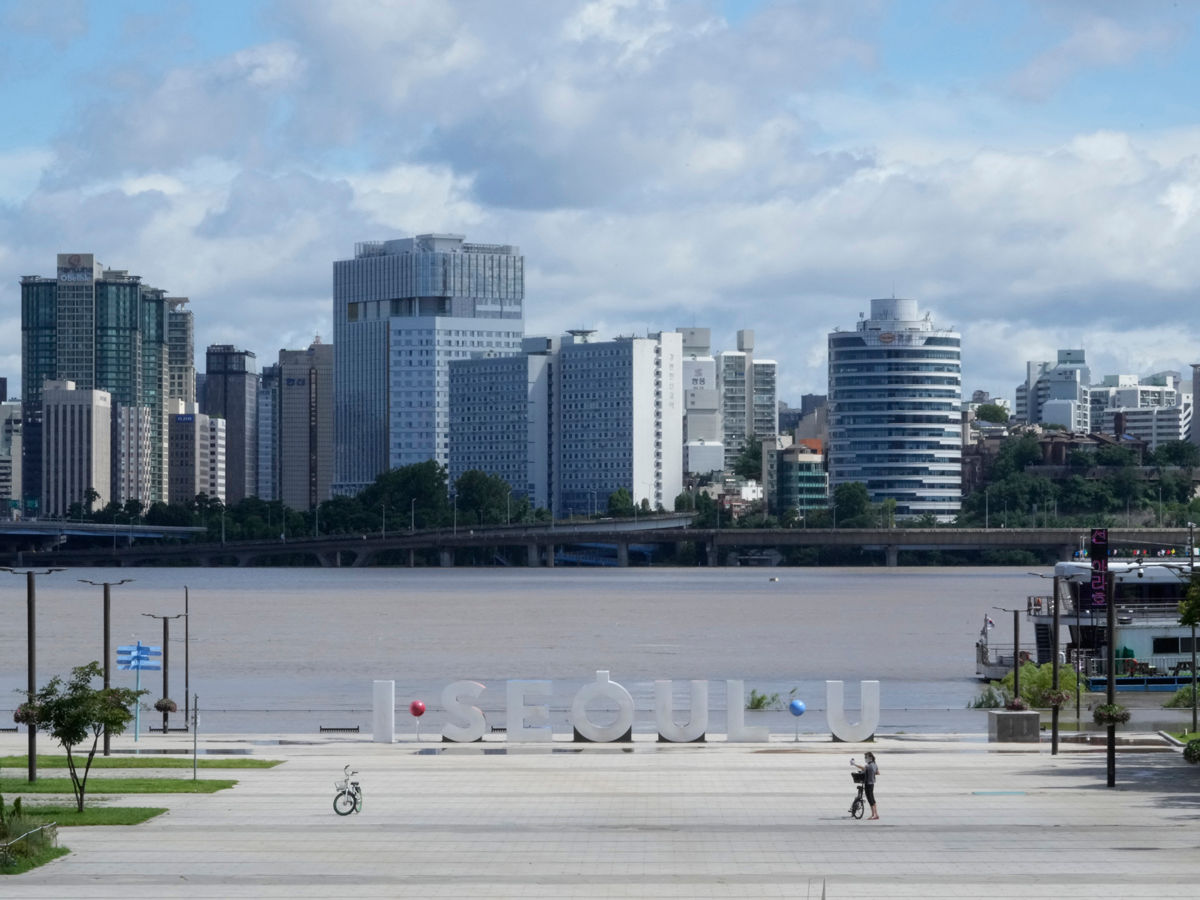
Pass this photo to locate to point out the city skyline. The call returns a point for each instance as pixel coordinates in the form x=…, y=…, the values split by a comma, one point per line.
x=1025, y=172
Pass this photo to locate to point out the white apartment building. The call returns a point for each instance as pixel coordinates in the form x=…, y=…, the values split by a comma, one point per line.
x=197, y=456
x=749, y=398
x=1066, y=383
x=76, y=446
x=1153, y=424
x=704, y=447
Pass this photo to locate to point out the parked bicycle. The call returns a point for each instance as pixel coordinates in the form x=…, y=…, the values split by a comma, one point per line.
x=349, y=797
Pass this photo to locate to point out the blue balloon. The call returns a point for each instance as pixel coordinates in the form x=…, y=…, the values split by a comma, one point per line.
x=797, y=707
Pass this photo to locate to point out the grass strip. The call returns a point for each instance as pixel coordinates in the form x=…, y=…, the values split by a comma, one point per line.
x=139, y=762
x=14, y=786
x=25, y=863
x=70, y=817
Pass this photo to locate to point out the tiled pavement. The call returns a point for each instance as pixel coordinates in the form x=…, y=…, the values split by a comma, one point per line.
x=960, y=818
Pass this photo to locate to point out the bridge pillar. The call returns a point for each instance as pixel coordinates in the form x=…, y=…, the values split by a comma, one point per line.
x=446, y=558
x=1066, y=551
x=412, y=558
x=623, y=555
x=550, y=556
x=360, y=560
x=893, y=555
x=710, y=548
x=532, y=556
x=324, y=560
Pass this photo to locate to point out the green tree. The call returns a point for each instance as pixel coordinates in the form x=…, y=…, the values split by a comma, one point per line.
x=852, y=504
x=991, y=412
x=1177, y=453
x=620, y=503
x=72, y=711
x=485, y=496
x=749, y=462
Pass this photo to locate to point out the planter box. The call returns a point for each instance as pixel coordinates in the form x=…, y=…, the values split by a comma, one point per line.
x=1005, y=726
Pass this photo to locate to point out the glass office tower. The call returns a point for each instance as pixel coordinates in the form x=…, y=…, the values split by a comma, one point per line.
x=402, y=310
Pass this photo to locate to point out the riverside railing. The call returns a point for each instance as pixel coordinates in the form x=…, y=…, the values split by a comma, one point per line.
x=8, y=857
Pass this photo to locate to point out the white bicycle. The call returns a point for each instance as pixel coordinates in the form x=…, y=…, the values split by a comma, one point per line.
x=349, y=797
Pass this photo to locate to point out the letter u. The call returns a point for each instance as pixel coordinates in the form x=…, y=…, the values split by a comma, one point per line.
x=835, y=711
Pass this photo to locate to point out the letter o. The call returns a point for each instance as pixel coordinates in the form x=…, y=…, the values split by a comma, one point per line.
x=602, y=687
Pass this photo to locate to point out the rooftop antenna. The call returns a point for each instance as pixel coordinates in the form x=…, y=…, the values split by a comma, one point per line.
x=583, y=335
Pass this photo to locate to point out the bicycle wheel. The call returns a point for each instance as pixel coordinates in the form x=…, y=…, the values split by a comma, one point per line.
x=343, y=803
x=856, y=808
x=358, y=801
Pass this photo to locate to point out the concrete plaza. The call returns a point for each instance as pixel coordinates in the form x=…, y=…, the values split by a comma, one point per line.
x=960, y=818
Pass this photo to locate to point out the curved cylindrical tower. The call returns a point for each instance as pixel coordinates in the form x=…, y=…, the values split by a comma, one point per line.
x=895, y=410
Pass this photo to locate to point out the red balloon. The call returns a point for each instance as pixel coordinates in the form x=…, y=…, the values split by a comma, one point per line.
x=417, y=708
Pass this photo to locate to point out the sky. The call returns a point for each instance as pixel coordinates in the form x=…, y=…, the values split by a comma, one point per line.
x=1028, y=172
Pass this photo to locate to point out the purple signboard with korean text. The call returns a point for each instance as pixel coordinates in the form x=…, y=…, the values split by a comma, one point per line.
x=1097, y=594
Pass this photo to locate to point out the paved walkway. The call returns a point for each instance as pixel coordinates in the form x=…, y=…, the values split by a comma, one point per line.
x=960, y=818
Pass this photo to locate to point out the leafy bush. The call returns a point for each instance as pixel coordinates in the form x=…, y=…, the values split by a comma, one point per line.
x=14, y=823
x=1036, y=682
x=989, y=698
x=1192, y=752
x=759, y=700
x=1181, y=699
x=166, y=704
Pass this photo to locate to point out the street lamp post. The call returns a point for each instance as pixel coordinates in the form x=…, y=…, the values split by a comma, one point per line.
x=412, y=515
x=107, y=640
x=222, y=525
x=166, y=620
x=383, y=521
x=1191, y=575
x=31, y=651
x=508, y=503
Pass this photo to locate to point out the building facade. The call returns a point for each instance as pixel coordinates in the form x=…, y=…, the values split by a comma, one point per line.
x=197, y=457
x=703, y=434
x=305, y=425
x=749, y=396
x=620, y=413
x=231, y=393
x=402, y=311
x=500, y=419
x=268, y=433
x=1057, y=393
x=76, y=447
x=11, y=436
x=181, y=351
x=895, y=420
x=802, y=482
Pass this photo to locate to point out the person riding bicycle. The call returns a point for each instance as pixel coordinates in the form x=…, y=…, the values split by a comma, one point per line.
x=870, y=770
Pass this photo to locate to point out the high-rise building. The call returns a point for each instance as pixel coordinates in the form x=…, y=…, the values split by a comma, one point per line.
x=133, y=454
x=104, y=330
x=895, y=420
x=620, y=411
x=181, y=351
x=704, y=447
x=749, y=398
x=10, y=459
x=197, y=454
x=1057, y=393
x=402, y=311
x=268, y=433
x=231, y=393
x=305, y=425
x=573, y=420
x=500, y=418
x=76, y=447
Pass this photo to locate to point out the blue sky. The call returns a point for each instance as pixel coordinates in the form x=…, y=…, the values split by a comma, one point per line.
x=1028, y=172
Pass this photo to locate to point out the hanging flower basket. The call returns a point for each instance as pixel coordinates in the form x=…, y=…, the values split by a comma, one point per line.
x=1057, y=698
x=1016, y=704
x=165, y=705
x=1110, y=714
x=25, y=714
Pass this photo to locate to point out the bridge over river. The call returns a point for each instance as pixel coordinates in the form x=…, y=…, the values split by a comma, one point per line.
x=540, y=544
